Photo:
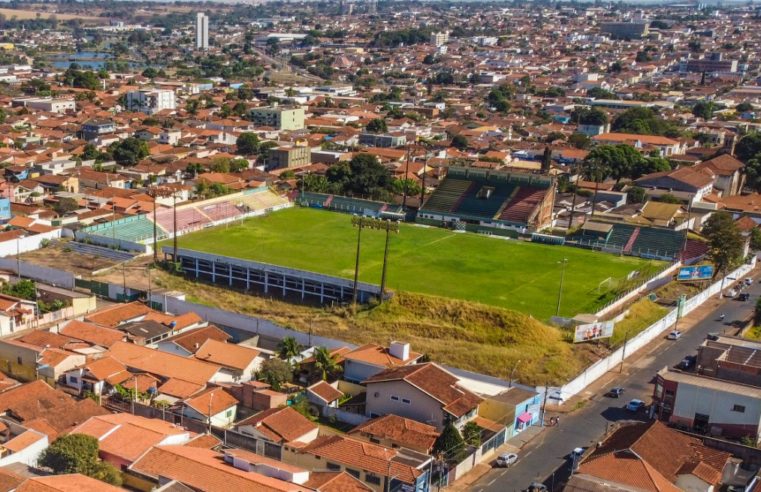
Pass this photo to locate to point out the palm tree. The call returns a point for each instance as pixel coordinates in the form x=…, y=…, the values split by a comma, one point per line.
x=288, y=348
x=326, y=362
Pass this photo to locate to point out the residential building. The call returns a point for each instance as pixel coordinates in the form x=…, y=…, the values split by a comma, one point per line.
x=664, y=145
x=382, y=140
x=123, y=437
x=238, y=362
x=376, y=466
x=727, y=169
x=279, y=117
x=370, y=359
x=423, y=392
x=47, y=104
x=202, y=31
x=722, y=396
x=439, y=38
x=288, y=157
x=65, y=483
x=96, y=127
x=712, y=63
x=625, y=30
x=215, y=407
x=280, y=426
x=150, y=101
x=686, y=183
x=650, y=456
x=393, y=431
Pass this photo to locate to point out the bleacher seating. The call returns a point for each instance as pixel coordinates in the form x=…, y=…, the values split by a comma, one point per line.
x=101, y=251
x=221, y=211
x=447, y=195
x=695, y=249
x=187, y=218
x=262, y=200
x=657, y=242
x=620, y=235
x=523, y=203
x=486, y=208
x=135, y=229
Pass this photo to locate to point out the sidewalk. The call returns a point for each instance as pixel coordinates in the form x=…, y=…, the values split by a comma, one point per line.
x=512, y=445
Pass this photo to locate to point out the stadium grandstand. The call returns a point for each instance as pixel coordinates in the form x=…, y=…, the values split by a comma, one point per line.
x=504, y=200
x=629, y=239
x=350, y=205
x=131, y=232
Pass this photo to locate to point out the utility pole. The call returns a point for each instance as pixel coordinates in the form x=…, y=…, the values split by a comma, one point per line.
x=563, y=263
x=174, y=227
x=406, y=174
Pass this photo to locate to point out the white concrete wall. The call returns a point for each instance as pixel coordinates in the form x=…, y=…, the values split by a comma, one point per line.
x=596, y=370
x=28, y=243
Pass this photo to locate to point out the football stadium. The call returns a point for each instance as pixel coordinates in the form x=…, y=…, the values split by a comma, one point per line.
x=489, y=269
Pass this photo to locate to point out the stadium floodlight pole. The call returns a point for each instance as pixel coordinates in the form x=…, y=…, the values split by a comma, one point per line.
x=406, y=175
x=359, y=223
x=174, y=227
x=563, y=263
x=385, y=225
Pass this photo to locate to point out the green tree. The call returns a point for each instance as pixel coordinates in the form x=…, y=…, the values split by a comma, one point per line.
x=364, y=175
x=579, y=140
x=636, y=194
x=620, y=161
x=412, y=187
x=315, y=182
x=129, y=151
x=78, y=453
x=150, y=73
x=90, y=152
x=668, y=198
x=725, y=240
x=744, y=107
x=471, y=434
x=66, y=205
x=288, y=348
x=460, y=142
x=377, y=125
x=326, y=362
x=644, y=121
x=748, y=147
x=450, y=443
x=704, y=109
x=247, y=143
x=24, y=289
x=755, y=239
x=275, y=372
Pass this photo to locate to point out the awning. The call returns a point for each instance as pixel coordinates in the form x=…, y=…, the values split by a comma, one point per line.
x=525, y=418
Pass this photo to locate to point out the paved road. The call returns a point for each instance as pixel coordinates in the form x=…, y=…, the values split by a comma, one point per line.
x=546, y=455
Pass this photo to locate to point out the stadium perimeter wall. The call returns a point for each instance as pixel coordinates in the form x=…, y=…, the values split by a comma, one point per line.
x=559, y=394
x=658, y=280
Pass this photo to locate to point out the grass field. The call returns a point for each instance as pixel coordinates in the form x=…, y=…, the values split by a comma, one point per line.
x=25, y=14
x=506, y=273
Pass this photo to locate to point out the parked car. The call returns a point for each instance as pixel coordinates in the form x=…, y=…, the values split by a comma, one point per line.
x=748, y=281
x=730, y=293
x=536, y=487
x=506, y=459
x=615, y=392
x=743, y=297
x=635, y=405
x=674, y=335
x=687, y=362
x=712, y=336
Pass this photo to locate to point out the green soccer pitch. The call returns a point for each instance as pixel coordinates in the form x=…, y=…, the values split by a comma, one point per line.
x=506, y=273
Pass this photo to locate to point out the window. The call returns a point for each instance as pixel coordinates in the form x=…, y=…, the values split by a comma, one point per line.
x=372, y=479
x=394, y=398
x=738, y=408
x=333, y=466
x=353, y=473
x=374, y=440
x=406, y=400
x=229, y=413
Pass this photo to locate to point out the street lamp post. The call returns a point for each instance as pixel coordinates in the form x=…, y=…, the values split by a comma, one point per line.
x=563, y=263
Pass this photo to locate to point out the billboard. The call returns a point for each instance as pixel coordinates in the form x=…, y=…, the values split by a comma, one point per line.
x=593, y=331
x=692, y=273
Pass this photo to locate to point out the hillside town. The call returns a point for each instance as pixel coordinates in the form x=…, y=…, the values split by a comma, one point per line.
x=374, y=246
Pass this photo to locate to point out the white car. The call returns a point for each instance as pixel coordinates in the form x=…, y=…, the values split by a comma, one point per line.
x=507, y=459
x=748, y=281
x=674, y=335
x=730, y=293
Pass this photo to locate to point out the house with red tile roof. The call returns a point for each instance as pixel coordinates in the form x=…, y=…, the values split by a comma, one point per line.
x=395, y=431
x=189, y=341
x=651, y=457
x=423, y=392
x=214, y=405
x=123, y=437
x=65, y=483
x=376, y=466
x=210, y=471
x=238, y=362
x=279, y=425
x=370, y=359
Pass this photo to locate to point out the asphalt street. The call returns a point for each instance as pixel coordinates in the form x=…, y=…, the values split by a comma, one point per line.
x=545, y=459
